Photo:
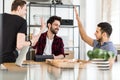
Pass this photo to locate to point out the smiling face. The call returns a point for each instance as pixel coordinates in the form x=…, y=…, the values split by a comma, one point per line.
x=54, y=27
x=99, y=34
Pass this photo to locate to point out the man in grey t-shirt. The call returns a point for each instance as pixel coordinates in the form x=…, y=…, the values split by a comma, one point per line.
x=109, y=46
x=102, y=34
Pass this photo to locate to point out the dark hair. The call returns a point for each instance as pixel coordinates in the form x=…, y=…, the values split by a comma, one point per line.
x=17, y=3
x=52, y=19
x=105, y=27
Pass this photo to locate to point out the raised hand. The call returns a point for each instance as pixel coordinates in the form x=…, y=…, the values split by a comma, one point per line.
x=43, y=25
x=35, y=38
x=76, y=13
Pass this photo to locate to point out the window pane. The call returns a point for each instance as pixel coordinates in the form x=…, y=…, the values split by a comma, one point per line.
x=115, y=21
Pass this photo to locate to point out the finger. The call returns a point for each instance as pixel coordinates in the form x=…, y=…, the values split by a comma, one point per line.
x=42, y=23
x=75, y=11
x=42, y=20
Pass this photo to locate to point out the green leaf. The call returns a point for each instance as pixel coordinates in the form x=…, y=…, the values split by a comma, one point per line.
x=90, y=54
x=111, y=54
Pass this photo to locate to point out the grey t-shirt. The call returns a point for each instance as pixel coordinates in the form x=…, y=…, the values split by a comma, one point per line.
x=106, y=46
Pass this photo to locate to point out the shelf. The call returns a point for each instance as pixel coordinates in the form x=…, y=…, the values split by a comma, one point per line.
x=37, y=4
x=66, y=11
x=70, y=47
x=62, y=26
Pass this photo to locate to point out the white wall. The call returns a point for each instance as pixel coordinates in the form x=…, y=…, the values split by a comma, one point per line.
x=8, y=4
x=1, y=6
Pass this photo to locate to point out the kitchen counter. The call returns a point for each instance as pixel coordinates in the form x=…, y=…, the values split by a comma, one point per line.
x=44, y=71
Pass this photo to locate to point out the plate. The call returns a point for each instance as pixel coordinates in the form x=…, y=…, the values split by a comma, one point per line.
x=67, y=63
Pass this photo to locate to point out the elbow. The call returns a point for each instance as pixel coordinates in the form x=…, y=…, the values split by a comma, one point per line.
x=82, y=37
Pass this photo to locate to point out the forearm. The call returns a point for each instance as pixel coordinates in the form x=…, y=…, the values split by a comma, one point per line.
x=21, y=44
x=35, y=38
x=81, y=29
x=21, y=41
x=111, y=61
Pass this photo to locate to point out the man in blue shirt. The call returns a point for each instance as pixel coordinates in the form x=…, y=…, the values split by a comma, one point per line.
x=102, y=34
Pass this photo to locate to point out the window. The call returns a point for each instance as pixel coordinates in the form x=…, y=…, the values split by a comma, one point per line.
x=111, y=13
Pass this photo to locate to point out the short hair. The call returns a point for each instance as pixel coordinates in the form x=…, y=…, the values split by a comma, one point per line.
x=52, y=19
x=105, y=27
x=17, y=3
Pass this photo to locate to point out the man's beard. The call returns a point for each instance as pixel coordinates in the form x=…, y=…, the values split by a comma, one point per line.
x=99, y=40
x=53, y=30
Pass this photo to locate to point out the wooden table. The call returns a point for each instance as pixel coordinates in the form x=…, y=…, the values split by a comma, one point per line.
x=43, y=71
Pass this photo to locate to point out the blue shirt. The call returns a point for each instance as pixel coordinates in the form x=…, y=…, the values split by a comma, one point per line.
x=105, y=46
